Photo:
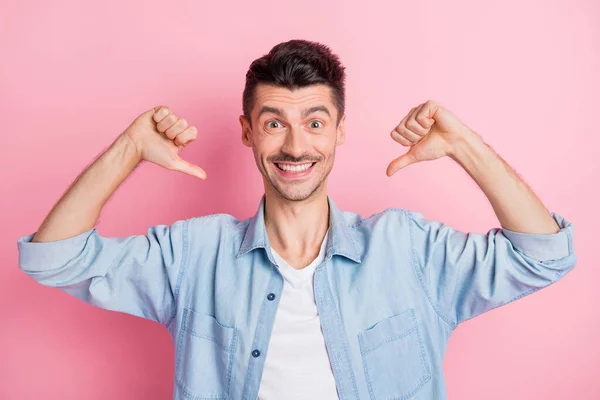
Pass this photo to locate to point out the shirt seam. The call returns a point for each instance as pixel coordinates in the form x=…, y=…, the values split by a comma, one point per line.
x=365, y=219
x=183, y=265
x=113, y=262
x=420, y=277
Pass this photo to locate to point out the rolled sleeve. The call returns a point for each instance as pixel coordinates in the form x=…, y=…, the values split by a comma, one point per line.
x=45, y=256
x=544, y=246
x=134, y=274
x=466, y=273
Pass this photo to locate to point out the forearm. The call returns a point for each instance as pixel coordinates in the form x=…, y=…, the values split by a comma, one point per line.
x=516, y=206
x=79, y=208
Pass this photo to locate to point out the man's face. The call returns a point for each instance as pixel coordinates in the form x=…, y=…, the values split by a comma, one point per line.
x=293, y=137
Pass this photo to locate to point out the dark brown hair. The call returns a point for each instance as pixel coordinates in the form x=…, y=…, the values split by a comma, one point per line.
x=294, y=64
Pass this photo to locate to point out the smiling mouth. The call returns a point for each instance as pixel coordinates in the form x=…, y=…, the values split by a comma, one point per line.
x=294, y=168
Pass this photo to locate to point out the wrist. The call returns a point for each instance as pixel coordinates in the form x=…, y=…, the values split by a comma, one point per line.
x=127, y=148
x=467, y=146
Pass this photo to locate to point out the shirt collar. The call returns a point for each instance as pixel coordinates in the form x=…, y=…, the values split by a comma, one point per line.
x=340, y=239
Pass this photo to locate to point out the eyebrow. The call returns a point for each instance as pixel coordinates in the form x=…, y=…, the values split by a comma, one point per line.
x=311, y=110
x=305, y=113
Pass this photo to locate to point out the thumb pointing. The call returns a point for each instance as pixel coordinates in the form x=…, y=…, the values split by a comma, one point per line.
x=189, y=168
x=399, y=163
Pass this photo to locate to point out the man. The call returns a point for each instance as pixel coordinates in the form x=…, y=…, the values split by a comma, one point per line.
x=303, y=300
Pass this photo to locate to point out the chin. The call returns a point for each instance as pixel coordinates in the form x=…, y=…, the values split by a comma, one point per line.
x=295, y=196
x=297, y=193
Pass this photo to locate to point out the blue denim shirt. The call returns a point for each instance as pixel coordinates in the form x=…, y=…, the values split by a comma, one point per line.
x=391, y=290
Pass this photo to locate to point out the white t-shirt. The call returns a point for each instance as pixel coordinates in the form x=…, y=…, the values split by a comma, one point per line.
x=296, y=364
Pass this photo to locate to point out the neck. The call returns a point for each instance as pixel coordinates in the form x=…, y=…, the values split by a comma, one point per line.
x=296, y=229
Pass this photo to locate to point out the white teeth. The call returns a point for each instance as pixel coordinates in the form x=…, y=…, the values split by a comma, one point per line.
x=294, y=168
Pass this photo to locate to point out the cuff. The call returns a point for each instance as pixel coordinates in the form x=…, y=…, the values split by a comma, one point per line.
x=45, y=256
x=544, y=246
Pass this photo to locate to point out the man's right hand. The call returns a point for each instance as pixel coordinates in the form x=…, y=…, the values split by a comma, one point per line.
x=158, y=135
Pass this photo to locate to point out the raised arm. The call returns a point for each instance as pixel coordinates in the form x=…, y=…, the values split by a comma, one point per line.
x=156, y=136
x=136, y=274
x=466, y=274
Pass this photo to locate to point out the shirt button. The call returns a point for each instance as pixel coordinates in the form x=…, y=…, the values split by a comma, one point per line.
x=255, y=353
x=271, y=296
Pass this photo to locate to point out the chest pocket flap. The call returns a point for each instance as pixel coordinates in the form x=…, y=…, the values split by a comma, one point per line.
x=204, y=358
x=394, y=357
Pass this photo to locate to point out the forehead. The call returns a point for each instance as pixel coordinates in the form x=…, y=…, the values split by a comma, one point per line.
x=292, y=100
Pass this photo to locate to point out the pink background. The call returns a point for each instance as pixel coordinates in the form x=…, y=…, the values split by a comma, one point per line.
x=74, y=74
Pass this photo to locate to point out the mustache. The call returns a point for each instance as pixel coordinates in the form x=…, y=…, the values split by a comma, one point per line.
x=285, y=157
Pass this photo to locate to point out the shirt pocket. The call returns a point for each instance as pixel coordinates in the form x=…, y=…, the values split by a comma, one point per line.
x=205, y=354
x=394, y=358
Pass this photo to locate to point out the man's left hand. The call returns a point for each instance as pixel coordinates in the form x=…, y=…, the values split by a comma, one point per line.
x=431, y=131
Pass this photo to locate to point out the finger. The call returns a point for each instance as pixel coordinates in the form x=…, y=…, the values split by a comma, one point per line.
x=413, y=125
x=189, y=168
x=423, y=117
x=399, y=163
x=160, y=112
x=395, y=133
x=404, y=132
x=187, y=136
x=412, y=137
x=403, y=122
x=399, y=138
x=178, y=127
x=167, y=122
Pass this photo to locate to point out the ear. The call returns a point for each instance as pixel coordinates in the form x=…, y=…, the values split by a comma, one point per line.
x=341, y=131
x=246, y=131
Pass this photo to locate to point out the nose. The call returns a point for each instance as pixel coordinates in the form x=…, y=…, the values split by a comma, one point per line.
x=296, y=142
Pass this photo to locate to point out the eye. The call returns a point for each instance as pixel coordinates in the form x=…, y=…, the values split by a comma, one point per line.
x=273, y=124
x=315, y=124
